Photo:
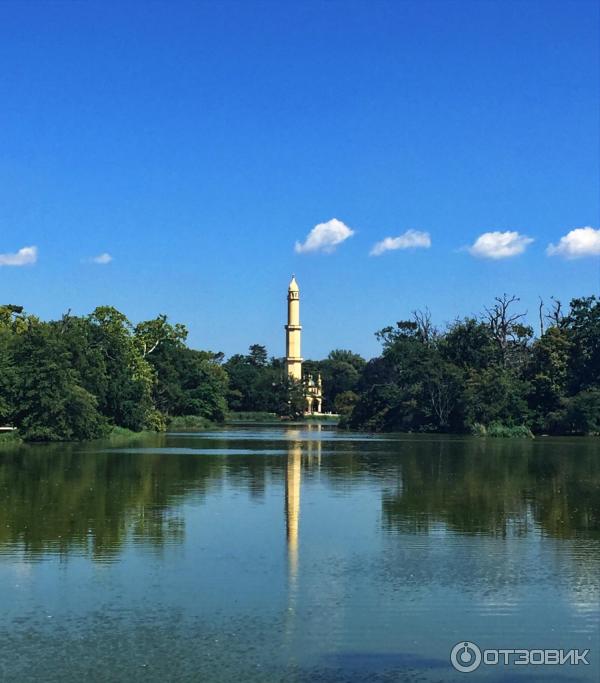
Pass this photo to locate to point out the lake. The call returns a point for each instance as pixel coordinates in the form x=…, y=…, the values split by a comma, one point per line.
x=297, y=553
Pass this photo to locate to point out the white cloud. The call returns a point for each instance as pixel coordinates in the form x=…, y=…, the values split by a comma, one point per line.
x=325, y=237
x=411, y=239
x=499, y=245
x=576, y=244
x=102, y=259
x=24, y=257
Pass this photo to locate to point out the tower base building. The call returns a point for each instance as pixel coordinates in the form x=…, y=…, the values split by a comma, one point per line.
x=314, y=394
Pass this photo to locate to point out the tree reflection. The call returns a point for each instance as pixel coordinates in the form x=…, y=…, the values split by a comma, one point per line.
x=497, y=488
x=58, y=498
x=74, y=498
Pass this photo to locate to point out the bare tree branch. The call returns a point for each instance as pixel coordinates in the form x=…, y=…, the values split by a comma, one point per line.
x=555, y=315
x=506, y=328
x=425, y=327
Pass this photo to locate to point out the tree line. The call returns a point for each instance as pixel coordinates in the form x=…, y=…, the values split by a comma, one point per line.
x=486, y=374
x=80, y=377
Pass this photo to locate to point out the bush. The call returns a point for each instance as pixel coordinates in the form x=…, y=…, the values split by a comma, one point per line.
x=10, y=438
x=121, y=432
x=478, y=429
x=155, y=421
x=251, y=416
x=189, y=423
x=498, y=430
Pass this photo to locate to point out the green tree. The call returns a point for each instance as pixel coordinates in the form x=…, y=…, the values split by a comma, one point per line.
x=289, y=398
x=189, y=382
x=583, y=328
x=50, y=404
x=496, y=395
x=411, y=387
x=7, y=377
x=548, y=375
x=150, y=334
x=258, y=356
x=340, y=372
x=344, y=403
x=125, y=396
x=254, y=383
x=469, y=343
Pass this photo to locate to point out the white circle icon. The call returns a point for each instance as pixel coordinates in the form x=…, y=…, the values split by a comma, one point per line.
x=465, y=656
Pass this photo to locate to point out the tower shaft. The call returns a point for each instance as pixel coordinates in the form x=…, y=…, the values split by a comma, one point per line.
x=293, y=331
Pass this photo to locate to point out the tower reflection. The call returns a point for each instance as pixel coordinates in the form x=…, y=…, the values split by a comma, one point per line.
x=292, y=505
x=310, y=437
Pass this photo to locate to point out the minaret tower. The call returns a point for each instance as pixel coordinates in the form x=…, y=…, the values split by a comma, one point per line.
x=293, y=330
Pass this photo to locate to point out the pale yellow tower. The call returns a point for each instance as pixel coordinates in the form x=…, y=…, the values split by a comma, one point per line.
x=293, y=330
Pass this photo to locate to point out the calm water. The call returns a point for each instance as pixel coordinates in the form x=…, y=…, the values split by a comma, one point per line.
x=296, y=554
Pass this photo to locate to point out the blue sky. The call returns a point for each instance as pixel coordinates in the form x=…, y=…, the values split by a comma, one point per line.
x=196, y=143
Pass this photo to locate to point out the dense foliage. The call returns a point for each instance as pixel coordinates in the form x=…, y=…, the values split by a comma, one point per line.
x=78, y=377
x=81, y=376
x=257, y=384
x=260, y=385
x=487, y=374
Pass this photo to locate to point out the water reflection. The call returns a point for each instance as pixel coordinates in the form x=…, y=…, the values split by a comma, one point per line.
x=501, y=489
x=293, y=481
x=319, y=554
x=92, y=499
x=292, y=505
x=64, y=498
